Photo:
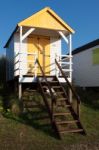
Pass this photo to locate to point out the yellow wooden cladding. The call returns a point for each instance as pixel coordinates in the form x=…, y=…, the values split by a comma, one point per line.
x=47, y=19
x=31, y=49
x=41, y=46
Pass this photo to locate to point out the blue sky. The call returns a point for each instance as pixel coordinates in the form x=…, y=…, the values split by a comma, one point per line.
x=81, y=15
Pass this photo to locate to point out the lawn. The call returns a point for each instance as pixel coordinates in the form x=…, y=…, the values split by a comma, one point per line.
x=32, y=131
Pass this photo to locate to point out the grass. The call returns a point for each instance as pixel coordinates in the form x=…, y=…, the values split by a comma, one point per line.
x=32, y=131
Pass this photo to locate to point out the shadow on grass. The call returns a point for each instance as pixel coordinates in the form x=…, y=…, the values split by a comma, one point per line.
x=39, y=120
x=90, y=97
x=36, y=117
x=4, y=95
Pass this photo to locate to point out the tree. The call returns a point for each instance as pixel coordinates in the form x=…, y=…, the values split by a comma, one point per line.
x=2, y=69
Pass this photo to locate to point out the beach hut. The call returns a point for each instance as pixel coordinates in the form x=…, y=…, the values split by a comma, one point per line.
x=86, y=65
x=38, y=36
x=34, y=56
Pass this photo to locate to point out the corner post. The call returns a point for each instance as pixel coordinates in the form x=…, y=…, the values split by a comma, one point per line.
x=70, y=54
x=20, y=72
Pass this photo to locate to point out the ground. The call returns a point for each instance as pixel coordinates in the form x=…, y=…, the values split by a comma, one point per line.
x=33, y=131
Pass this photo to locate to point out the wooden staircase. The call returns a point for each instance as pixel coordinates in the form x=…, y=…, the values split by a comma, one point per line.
x=62, y=115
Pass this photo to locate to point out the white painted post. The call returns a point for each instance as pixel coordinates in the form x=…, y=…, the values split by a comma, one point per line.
x=70, y=54
x=20, y=74
x=70, y=60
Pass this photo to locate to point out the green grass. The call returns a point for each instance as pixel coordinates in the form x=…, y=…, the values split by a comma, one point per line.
x=32, y=131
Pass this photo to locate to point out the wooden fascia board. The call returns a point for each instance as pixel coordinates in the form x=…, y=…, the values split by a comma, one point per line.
x=60, y=20
x=29, y=26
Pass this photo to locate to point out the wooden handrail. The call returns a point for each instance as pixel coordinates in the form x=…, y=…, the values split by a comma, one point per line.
x=49, y=87
x=70, y=86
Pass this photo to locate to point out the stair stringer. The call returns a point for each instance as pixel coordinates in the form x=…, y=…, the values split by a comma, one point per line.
x=53, y=123
x=73, y=113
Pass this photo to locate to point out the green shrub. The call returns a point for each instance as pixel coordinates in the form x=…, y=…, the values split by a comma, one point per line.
x=2, y=69
x=15, y=105
x=1, y=103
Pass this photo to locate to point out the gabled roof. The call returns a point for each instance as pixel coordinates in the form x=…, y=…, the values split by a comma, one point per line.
x=38, y=20
x=46, y=18
x=86, y=47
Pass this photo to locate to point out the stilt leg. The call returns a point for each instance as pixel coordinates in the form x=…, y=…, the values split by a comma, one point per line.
x=20, y=91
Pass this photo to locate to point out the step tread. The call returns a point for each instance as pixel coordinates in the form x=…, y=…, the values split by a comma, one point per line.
x=66, y=122
x=31, y=90
x=53, y=81
x=28, y=101
x=70, y=130
x=45, y=86
x=59, y=92
x=61, y=113
x=56, y=93
x=30, y=106
x=63, y=105
x=62, y=98
x=56, y=87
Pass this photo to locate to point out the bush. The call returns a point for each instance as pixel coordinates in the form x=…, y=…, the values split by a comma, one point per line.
x=2, y=69
x=1, y=103
x=15, y=106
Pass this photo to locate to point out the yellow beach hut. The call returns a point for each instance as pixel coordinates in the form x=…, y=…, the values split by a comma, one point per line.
x=34, y=55
x=38, y=36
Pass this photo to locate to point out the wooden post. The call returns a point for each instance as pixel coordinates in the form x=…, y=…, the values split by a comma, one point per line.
x=69, y=42
x=70, y=60
x=20, y=91
x=20, y=73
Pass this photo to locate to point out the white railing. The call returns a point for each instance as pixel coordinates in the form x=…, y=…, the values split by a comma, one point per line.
x=65, y=63
x=21, y=63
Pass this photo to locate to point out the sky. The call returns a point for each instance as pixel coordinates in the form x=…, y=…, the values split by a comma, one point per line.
x=81, y=15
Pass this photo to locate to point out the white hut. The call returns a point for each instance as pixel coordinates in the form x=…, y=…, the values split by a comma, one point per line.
x=86, y=65
x=34, y=54
x=38, y=36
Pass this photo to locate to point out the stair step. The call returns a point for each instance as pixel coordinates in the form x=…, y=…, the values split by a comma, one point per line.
x=59, y=92
x=27, y=101
x=63, y=105
x=62, y=113
x=62, y=99
x=70, y=131
x=31, y=90
x=66, y=122
x=56, y=87
x=53, y=82
x=30, y=106
x=56, y=93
